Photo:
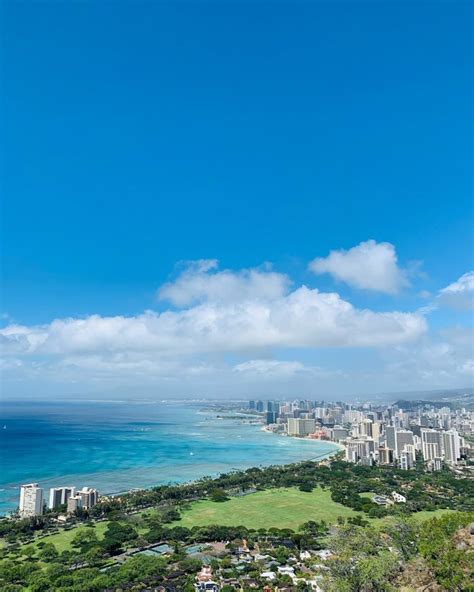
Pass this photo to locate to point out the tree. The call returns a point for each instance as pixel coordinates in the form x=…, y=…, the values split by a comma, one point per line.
x=28, y=552
x=84, y=539
x=219, y=495
x=116, y=535
x=39, y=583
x=94, y=556
x=361, y=561
x=48, y=552
x=140, y=567
x=190, y=565
x=404, y=534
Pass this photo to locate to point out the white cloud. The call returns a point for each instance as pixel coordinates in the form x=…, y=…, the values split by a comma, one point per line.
x=459, y=294
x=276, y=369
x=270, y=368
x=369, y=265
x=444, y=360
x=303, y=318
x=200, y=282
x=250, y=313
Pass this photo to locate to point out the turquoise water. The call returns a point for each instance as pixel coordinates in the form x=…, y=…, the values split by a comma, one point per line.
x=116, y=446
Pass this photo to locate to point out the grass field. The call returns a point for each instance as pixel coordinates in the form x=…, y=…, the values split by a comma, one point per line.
x=281, y=508
x=62, y=540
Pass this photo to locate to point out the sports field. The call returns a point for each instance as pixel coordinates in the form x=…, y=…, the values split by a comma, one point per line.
x=280, y=508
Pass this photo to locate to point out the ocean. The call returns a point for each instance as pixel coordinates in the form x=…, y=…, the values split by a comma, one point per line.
x=119, y=445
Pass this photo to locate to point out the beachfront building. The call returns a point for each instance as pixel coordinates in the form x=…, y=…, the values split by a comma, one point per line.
x=31, y=500
x=89, y=497
x=58, y=496
x=339, y=433
x=301, y=427
x=74, y=503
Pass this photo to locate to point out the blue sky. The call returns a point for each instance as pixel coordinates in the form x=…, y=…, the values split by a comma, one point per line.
x=141, y=135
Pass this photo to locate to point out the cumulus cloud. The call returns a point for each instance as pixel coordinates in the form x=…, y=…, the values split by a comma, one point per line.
x=369, y=266
x=303, y=318
x=215, y=314
x=200, y=281
x=459, y=294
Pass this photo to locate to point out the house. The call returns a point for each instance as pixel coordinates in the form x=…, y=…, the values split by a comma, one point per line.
x=398, y=499
x=205, y=575
x=206, y=587
x=286, y=570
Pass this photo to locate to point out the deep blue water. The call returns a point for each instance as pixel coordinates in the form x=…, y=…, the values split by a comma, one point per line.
x=116, y=446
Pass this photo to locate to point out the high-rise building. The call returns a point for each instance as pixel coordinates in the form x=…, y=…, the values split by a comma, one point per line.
x=31, y=500
x=357, y=450
x=74, y=503
x=270, y=417
x=58, y=496
x=451, y=446
x=259, y=406
x=431, y=444
x=339, y=433
x=365, y=428
x=402, y=438
x=89, y=497
x=376, y=431
x=390, y=441
x=301, y=427
x=385, y=455
x=407, y=457
x=251, y=404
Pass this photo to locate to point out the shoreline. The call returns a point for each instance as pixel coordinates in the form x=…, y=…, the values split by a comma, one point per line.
x=108, y=490
x=338, y=445
x=320, y=458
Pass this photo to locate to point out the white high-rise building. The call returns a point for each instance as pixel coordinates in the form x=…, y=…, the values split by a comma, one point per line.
x=376, y=431
x=406, y=458
x=58, y=496
x=431, y=444
x=451, y=446
x=301, y=427
x=31, y=500
x=359, y=449
x=365, y=428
